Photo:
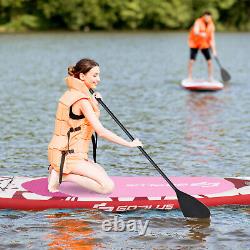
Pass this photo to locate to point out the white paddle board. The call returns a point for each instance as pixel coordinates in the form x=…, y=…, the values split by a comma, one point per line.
x=201, y=85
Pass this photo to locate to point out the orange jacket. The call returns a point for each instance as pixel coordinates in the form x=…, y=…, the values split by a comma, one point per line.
x=196, y=40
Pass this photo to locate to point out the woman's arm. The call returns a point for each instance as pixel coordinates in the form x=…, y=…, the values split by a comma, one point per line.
x=212, y=43
x=197, y=29
x=88, y=112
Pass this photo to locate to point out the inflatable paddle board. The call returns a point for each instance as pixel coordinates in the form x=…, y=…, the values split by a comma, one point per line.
x=201, y=85
x=130, y=193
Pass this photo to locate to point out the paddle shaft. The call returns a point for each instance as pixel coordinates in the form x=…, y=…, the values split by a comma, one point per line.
x=217, y=60
x=132, y=138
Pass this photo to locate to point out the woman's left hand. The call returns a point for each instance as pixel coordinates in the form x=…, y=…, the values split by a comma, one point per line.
x=97, y=95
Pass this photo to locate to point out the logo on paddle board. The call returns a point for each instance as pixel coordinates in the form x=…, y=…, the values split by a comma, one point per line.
x=104, y=207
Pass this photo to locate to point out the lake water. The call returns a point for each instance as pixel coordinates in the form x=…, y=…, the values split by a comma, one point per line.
x=187, y=134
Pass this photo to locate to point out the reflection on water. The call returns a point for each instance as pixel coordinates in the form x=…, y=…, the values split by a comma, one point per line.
x=198, y=229
x=204, y=131
x=71, y=233
x=82, y=229
x=201, y=121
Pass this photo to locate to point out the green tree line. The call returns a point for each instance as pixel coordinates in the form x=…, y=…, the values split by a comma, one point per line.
x=78, y=15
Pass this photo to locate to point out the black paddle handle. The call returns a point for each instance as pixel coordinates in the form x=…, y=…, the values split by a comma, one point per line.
x=132, y=138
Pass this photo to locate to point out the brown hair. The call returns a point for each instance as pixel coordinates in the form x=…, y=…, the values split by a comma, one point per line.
x=82, y=66
x=207, y=13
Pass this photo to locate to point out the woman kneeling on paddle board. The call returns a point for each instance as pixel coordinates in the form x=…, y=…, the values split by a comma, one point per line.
x=77, y=118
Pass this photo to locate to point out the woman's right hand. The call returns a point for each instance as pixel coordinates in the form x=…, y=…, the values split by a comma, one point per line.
x=135, y=143
x=214, y=52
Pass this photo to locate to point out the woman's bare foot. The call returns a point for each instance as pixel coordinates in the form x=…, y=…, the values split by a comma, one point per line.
x=53, y=182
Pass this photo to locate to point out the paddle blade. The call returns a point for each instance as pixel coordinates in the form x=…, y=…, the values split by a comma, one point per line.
x=191, y=207
x=225, y=75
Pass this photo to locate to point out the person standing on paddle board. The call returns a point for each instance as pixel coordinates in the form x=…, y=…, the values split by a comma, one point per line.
x=77, y=118
x=201, y=37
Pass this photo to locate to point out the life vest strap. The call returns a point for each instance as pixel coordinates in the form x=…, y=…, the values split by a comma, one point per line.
x=94, y=143
x=71, y=151
x=65, y=152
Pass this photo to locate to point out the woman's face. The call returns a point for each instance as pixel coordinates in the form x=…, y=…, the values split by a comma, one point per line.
x=91, y=78
x=207, y=18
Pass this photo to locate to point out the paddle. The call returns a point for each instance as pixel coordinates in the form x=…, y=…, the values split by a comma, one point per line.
x=224, y=74
x=190, y=206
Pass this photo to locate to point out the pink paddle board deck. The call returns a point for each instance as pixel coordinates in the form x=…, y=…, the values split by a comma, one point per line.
x=201, y=85
x=130, y=193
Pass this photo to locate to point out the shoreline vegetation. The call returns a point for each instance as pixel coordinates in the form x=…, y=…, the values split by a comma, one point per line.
x=120, y=15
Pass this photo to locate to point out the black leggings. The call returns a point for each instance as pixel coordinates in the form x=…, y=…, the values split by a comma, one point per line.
x=205, y=52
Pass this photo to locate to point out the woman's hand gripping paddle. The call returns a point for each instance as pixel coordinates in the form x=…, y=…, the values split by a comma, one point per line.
x=224, y=74
x=190, y=206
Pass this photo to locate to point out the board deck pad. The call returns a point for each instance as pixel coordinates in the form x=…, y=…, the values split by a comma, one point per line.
x=201, y=85
x=130, y=193
x=136, y=187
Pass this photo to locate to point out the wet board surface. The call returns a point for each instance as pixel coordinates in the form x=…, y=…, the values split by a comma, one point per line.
x=201, y=85
x=130, y=193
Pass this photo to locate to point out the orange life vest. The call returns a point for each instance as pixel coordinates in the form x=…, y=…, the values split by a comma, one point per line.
x=197, y=41
x=71, y=136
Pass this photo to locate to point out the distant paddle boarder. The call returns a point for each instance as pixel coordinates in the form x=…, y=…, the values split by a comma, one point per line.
x=201, y=37
x=77, y=118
